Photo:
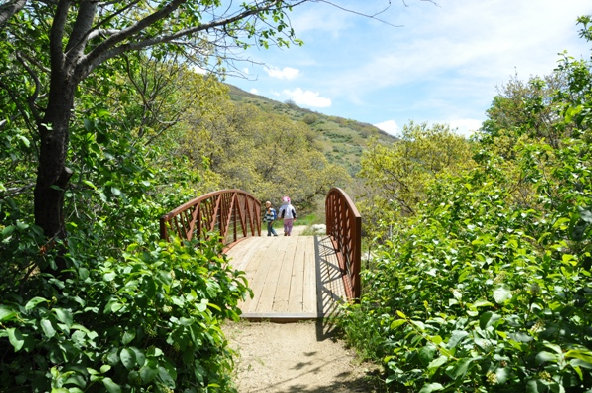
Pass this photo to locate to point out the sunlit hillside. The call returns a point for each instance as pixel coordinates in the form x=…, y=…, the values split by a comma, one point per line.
x=341, y=140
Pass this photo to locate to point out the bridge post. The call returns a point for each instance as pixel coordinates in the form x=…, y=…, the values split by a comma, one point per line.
x=344, y=227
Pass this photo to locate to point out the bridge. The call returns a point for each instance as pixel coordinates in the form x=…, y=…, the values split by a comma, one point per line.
x=292, y=277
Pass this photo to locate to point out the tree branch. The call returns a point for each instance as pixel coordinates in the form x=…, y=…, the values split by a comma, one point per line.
x=10, y=8
x=57, y=34
x=109, y=49
x=82, y=28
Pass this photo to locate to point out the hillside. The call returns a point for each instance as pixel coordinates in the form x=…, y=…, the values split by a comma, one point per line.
x=341, y=140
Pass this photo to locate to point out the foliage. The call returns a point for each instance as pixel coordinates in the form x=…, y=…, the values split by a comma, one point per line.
x=146, y=321
x=55, y=332
x=483, y=295
x=488, y=288
x=341, y=140
x=396, y=176
x=265, y=154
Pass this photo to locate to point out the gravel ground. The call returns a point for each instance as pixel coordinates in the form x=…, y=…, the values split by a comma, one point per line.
x=295, y=357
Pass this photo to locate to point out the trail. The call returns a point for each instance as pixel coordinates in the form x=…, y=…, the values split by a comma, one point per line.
x=295, y=357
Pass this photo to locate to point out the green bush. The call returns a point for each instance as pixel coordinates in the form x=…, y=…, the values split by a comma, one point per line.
x=482, y=295
x=147, y=321
x=488, y=286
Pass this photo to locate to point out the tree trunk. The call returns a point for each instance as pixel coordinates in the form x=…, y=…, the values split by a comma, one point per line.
x=52, y=174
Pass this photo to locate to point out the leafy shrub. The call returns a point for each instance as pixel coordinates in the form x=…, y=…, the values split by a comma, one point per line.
x=488, y=287
x=309, y=118
x=482, y=295
x=147, y=321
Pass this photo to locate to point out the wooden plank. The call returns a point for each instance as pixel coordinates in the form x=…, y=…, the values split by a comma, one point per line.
x=296, y=298
x=242, y=252
x=309, y=298
x=256, y=271
x=284, y=285
x=269, y=281
x=279, y=317
x=282, y=272
x=332, y=290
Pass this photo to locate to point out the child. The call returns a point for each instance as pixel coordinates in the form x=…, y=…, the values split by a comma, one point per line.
x=288, y=213
x=270, y=217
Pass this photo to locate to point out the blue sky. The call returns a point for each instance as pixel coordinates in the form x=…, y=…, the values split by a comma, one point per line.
x=441, y=63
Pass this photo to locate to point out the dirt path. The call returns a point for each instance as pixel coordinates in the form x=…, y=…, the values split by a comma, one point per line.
x=294, y=357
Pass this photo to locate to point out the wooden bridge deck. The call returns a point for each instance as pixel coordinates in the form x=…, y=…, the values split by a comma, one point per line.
x=292, y=278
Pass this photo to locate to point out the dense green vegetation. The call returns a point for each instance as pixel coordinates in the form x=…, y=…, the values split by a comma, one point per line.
x=481, y=281
x=97, y=141
x=341, y=140
x=486, y=283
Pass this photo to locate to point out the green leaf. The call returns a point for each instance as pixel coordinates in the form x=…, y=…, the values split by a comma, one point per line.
x=487, y=319
x=111, y=386
x=585, y=214
x=544, y=357
x=6, y=313
x=535, y=386
x=521, y=337
x=456, y=337
x=128, y=336
x=397, y=322
x=113, y=357
x=6, y=231
x=128, y=358
x=148, y=372
x=419, y=324
x=460, y=369
x=482, y=303
x=501, y=375
x=501, y=294
x=64, y=316
x=16, y=338
x=167, y=376
x=431, y=387
x=436, y=363
x=24, y=139
x=34, y=302
x=48, y=328
x=90, y=184
x=584, y=355
x=426, y=354
x=140, y=356
x=112, y=306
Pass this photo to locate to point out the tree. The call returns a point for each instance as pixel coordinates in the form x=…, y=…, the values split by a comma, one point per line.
x=8, y=9
x=56, y=45
x=263, y=153
x=397, y=176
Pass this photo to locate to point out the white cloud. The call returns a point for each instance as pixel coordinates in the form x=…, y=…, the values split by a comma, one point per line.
x=444, y=62
x=287, y=73
x=389, y=126
x=254, y=91
x=307, y=98
x=479, y=41
x=465, y=127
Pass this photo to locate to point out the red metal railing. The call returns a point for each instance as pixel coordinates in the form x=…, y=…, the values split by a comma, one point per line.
x=344, y=226
x=234, y=214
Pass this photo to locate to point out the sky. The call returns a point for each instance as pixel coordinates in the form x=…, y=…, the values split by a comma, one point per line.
x=434, y=62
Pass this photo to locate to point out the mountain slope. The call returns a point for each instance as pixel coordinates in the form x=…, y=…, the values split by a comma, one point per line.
x=341, y=140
